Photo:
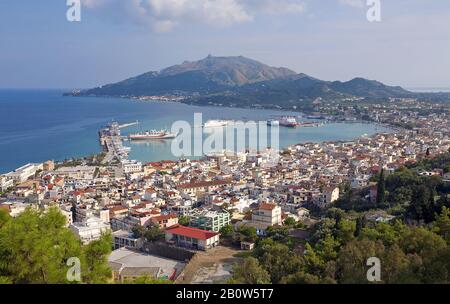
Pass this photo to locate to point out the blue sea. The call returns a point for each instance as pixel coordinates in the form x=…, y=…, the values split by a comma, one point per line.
x=38, y=125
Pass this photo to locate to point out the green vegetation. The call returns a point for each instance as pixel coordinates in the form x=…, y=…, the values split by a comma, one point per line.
x=147, y=280
x=151, y=233
x=35, y=247
x=247, y=234
x=338, y=255
x=183, y=220
x=226, y=231
x=413, y=248
x=250, y=272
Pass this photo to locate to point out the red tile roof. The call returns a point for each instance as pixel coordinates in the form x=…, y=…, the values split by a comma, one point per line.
x=160, y=218
x=267, y=206
x=191, y=232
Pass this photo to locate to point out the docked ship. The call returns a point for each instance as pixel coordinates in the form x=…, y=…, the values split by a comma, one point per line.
x=153, y=134
x=289, y=121
x=216, y=123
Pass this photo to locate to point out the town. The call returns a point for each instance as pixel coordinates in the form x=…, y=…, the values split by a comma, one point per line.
x=200, y=211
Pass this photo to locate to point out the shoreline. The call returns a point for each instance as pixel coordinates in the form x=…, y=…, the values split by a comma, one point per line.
x=326, y=121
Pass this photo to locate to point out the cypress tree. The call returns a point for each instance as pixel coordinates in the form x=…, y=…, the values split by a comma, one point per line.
x=381, y=189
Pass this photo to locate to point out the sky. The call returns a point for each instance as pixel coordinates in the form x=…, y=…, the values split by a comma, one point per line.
x=327, y=39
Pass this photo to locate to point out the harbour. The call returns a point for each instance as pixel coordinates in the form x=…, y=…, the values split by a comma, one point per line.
x=71, y=128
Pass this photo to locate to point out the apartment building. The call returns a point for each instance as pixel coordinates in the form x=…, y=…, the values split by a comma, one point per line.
x=90, y=230
x=209, y=220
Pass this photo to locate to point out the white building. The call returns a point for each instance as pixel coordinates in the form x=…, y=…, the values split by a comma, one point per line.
x=25, y=172
x=131, y=166
x=328, y=196
x=6, y=182
x=266, y=215
x=90, y=230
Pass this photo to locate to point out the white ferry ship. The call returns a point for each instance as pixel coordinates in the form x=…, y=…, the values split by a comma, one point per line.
x=153, y=134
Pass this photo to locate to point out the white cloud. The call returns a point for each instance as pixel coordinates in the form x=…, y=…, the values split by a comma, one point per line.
x=164, y=15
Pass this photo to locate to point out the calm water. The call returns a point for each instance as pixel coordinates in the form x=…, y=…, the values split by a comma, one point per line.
x=39, y=125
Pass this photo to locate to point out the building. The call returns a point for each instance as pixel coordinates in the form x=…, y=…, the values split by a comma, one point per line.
x=165, y=221
x=15, y=208
x=122, y=238
x=326, y=197
x=90, y=230
x=49, y=165
x=266, y=215
x=6, y=182
x=130, y=166
x=202, y=187
x=209, y=220
x=25, y=172
x=192, y=238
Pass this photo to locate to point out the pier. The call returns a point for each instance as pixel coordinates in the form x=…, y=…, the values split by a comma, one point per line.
x=111, y=141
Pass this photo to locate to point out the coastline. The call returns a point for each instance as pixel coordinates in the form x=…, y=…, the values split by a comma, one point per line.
x=98, y=151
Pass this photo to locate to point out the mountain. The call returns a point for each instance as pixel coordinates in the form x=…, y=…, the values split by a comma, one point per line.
x=368, y=88
x=209, y=75
x=240, y=81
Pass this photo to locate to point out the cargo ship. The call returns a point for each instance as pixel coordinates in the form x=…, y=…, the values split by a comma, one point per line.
x=288, y=121
x=153, y=134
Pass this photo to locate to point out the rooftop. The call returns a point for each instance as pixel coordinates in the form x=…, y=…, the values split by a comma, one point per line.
x=191, y=232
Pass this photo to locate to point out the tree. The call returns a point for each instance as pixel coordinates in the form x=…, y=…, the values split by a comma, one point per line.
x=4, y=217
x=327, y=248
x=249, y=272
x=138, y=231
x=301, y=278
x=361, y=223
x=279, y=261
x=351, y=263
x=346, y=231
x=153, y=233
x=35, y=246
x=96, y=268
x=442, y=224
x=290, y=221
x=381, y=190
x=147, y=280
x=422, y=204
x=248, y=233
x=183, y=220
x=278, y=233
x=226, y=231
x=447, y=168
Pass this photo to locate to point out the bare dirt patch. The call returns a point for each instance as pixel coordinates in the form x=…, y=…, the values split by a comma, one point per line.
x=213, y=266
